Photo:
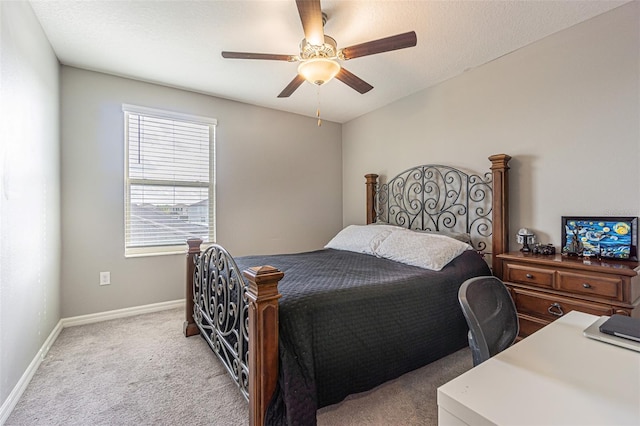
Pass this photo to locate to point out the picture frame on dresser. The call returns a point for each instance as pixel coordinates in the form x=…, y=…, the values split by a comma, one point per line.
x=614, y=237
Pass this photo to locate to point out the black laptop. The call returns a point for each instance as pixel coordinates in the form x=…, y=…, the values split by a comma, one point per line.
x=622, y=326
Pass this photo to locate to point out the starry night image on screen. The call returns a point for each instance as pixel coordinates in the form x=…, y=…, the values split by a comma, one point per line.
x=603, y=238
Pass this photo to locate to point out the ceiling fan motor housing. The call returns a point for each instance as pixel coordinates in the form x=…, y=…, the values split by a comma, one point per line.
x=327, y=50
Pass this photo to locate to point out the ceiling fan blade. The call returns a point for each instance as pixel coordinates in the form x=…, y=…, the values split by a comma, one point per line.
x=268, y=56
x=353, y=81
x=311, y=18
x=291, y=87
x=399, y=41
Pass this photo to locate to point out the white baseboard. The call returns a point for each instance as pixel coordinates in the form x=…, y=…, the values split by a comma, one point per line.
x=13, y=398
x=9, y=404
x=121, y=313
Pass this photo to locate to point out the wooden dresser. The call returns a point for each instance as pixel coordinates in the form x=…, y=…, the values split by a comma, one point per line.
x=544, y=288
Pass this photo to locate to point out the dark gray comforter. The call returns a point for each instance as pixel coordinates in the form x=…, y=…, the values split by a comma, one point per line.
x=350, y=321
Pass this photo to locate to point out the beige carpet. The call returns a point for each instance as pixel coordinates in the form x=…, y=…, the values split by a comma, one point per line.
x=142, y=371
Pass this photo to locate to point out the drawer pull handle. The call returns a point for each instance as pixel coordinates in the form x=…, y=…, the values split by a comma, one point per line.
x=529, y=276
x=586, y=285
x=555, y=309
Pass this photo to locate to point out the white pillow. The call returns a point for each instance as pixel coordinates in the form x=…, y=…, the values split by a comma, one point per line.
x=359, y=238
x=465, y=237
x=429, y=251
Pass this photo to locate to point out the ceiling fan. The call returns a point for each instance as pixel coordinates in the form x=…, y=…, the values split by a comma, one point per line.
x=319, y=54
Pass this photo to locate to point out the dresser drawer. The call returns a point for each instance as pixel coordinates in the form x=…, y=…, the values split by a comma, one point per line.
x=529, y=275
x=550, y=307
x=593, y=285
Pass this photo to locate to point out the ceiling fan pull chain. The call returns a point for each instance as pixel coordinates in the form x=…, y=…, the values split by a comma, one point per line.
x=318, y=110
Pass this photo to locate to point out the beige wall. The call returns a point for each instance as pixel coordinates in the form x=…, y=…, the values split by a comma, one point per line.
x=29, y=193
x=278, y=187
x=567, y=109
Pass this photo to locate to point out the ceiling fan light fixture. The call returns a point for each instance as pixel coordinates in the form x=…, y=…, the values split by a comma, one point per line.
x=318, y=70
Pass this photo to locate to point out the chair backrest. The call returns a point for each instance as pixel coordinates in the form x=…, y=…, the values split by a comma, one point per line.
x=490, y=314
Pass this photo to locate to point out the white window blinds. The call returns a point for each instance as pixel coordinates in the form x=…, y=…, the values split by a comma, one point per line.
x=169, y=179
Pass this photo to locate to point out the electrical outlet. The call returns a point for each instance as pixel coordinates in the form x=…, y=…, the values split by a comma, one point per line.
x=105, y=278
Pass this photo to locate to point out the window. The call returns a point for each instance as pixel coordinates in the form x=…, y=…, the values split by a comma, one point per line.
x=169, y=180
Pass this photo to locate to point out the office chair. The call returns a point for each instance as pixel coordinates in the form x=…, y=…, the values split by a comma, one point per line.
x=491, y=316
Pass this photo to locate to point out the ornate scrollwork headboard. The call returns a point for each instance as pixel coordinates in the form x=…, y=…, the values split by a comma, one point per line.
x=440, y=199
x=444, y=199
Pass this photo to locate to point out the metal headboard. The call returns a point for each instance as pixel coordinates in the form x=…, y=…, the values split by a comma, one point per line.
x=441, y=199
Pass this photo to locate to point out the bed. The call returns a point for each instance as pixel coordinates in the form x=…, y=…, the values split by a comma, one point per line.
x=298, y=332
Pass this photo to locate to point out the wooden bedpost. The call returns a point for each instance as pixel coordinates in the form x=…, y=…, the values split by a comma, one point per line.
x=263, y=298
x=190, y=328
x=500, y=212
x=372, y=180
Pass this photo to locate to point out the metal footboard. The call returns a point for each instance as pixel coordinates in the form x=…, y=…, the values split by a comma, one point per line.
x=220, y=311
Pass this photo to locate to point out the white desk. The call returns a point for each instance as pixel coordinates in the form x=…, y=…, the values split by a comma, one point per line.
x=556, y=376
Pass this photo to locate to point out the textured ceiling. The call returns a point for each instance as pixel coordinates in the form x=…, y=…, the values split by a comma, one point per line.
x=178, y=43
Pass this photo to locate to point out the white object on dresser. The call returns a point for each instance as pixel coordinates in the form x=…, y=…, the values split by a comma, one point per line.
x=556, y=376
